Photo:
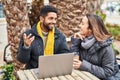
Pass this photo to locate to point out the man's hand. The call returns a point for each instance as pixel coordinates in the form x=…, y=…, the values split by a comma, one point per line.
x=79, y=36
x=76, y=63
x=28, y=39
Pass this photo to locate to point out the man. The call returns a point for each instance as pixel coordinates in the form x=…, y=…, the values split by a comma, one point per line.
x=42, y=39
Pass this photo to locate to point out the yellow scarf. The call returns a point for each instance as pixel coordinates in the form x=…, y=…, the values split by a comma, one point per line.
x=49, y=47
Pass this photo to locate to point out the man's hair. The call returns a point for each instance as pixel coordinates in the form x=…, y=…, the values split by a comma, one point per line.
x=46, y=9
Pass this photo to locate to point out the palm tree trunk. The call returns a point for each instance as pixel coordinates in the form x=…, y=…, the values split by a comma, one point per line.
x=35, y=11
x=71, y=12
x=17, y=21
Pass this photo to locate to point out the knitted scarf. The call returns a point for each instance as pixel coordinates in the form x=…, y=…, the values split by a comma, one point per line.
x=49, y=47
x=88, y=42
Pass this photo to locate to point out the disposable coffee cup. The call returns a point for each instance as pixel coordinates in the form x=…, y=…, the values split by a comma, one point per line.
x=76, y=55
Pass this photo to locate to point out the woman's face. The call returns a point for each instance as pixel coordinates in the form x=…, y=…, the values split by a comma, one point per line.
x=84, y=27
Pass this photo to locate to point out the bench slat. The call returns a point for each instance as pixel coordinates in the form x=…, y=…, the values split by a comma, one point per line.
x=69, y=77
x=76, y=77
x=84, y=77
x=62, y=78
x=54, y=78
x=90, y=76
x=29, y=75
x=34, y=75
x=21, y=75
x=47, y=79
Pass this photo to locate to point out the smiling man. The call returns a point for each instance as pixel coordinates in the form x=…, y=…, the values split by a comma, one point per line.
x=43, y=39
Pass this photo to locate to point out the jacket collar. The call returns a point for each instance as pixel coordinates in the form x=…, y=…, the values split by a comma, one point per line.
x=98, y=45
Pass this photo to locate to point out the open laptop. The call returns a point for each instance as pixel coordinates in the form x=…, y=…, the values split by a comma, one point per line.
x=55, y=65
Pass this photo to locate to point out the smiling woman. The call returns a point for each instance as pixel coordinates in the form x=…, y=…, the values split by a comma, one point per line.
x=93, y=43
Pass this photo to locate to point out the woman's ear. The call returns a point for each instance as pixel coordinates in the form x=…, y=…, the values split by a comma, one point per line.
x=90, y=31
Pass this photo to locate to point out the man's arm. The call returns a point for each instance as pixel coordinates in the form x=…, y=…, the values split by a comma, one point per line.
x=63, y=47
x=24, y=48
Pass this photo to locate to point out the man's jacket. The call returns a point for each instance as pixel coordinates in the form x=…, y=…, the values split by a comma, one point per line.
x=30, y=55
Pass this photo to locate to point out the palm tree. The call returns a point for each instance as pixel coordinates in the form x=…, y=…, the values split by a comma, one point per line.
x=17, y=21
x=35, y=11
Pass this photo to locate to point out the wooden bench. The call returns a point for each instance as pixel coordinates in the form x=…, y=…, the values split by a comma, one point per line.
x=76, y=75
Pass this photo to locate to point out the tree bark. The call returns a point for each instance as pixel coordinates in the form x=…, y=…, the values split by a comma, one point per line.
x=17, y=21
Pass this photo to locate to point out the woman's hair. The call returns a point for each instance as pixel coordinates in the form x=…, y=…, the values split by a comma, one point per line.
x=98, y=28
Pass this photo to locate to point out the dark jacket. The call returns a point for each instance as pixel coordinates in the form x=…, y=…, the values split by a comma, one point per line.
x=99, y=59
x=29, y=56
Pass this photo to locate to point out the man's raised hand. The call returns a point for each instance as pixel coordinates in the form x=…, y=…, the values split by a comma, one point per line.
x=28, y=39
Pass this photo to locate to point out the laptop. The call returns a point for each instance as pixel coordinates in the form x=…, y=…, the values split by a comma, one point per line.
x=55, y=65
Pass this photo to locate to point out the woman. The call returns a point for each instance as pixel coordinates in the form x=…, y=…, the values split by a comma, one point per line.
x=93, y=43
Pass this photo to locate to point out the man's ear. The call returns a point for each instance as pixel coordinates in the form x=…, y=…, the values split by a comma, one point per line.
x=41, y=19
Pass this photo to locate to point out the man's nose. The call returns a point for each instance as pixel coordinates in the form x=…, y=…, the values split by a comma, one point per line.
x=79, y=26
x=54, y=20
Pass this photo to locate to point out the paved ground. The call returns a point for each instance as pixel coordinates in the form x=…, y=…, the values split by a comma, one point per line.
x=3, y=40
x=113, y=19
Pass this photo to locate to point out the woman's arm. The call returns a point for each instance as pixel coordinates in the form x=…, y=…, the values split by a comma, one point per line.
x=107, y=64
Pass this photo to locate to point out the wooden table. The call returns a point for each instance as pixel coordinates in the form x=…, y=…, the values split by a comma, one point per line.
x=76, y=75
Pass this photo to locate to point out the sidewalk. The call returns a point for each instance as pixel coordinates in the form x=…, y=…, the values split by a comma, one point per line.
x=113, y=18
x=3, y=40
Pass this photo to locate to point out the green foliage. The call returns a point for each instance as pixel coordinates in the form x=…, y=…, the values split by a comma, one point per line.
x=115, y=50
x=119, y=11
x=8, y=69
x=113, y=29
x=103, y=16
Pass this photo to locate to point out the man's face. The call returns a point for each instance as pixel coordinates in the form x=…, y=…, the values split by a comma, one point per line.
x=49, y=21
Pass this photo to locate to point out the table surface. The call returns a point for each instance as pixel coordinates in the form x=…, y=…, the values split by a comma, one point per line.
x=76, y=75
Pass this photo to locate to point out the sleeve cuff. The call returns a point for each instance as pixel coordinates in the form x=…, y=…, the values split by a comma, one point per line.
x=85, y=66
x=26, y=47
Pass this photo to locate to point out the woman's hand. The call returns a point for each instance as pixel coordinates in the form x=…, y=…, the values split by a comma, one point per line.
x=79, y=36
x=76, y=63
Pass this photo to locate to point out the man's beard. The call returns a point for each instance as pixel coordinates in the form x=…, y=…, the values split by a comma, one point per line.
x=46, y=26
